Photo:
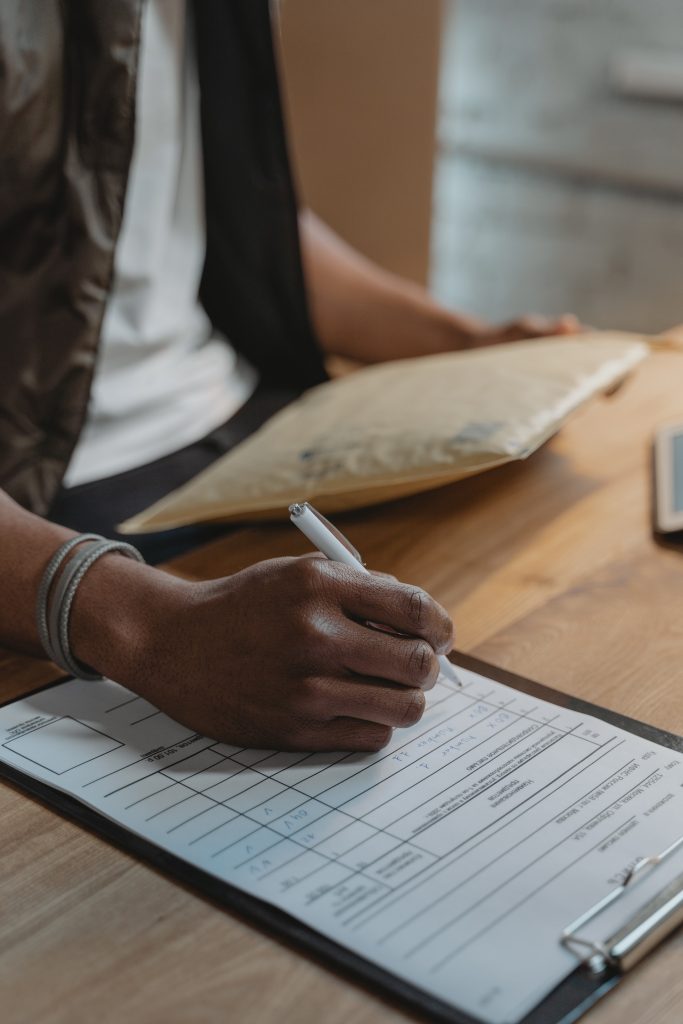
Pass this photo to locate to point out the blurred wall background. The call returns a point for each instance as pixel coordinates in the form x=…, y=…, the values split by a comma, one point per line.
x=558, y=179
x=560, y=174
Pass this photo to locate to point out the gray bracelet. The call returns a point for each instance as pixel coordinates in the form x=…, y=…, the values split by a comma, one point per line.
x=57, y=618
x=61, y=655
x=60, y=639
x=46, y=585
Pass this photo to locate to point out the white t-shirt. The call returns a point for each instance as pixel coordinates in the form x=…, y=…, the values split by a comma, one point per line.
x=164, y=378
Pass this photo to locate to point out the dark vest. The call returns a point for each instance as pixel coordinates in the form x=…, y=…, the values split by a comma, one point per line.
x=67, y=116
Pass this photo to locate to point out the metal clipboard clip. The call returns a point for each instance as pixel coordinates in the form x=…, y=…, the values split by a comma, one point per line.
x=641, y=933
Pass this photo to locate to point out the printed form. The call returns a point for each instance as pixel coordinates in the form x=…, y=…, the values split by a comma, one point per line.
x=453, y=858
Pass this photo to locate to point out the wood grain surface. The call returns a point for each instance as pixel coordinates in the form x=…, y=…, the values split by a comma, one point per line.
x=549, y=569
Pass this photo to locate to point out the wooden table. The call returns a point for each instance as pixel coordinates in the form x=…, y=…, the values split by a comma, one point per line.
x=548, y=568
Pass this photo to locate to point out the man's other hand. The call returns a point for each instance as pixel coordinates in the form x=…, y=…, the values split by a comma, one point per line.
x=531, y=326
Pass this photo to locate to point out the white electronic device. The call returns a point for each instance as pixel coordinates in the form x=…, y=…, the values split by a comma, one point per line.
x=668, y=465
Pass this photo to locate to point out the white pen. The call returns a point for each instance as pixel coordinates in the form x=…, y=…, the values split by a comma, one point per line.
x=334, y=545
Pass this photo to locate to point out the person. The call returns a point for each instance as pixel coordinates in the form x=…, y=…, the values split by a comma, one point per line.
x=161, y=295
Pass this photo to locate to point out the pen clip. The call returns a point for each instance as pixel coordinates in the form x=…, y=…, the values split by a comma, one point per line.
x=302, y=506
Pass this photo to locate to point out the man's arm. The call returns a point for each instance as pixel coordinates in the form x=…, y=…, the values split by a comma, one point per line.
x=275, y=656
x=365, y=313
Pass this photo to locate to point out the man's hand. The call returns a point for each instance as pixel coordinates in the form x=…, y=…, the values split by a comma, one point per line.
x=365, y=314
x=531, y=326
x=276, y=656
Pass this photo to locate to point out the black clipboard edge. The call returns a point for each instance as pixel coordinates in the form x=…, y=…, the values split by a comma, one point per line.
x=564, y=1005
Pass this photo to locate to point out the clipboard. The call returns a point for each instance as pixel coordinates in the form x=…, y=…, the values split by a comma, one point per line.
x=601, y=964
